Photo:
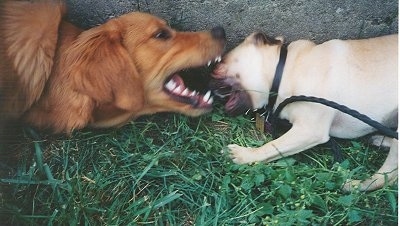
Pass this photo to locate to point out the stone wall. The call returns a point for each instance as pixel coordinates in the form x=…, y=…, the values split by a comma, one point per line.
x=318, y=20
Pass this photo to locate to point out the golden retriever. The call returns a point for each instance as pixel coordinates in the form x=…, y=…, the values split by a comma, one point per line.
x=56, y=76
x=361, y=74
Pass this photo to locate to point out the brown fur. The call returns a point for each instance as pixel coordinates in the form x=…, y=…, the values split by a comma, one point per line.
x=56, y=76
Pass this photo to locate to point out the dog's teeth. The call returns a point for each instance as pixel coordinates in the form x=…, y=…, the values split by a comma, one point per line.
x=210, y=101
x=170, y=85
x=207, y=96
x=218, y=59
x=177, y=90
x=208, y=63
x=192, y=94
x=185, y=92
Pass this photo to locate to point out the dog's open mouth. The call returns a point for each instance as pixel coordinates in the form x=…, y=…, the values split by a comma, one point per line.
x=190, y=86
x=236, y=100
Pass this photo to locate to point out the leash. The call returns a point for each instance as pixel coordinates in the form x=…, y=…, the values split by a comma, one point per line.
x=272, y=121
x=367, y=120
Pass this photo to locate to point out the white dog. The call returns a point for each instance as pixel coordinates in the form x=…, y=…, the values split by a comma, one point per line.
x=361, y=74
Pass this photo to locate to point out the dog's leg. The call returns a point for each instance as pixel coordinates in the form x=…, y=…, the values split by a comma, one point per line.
x=299, y=138
x=379, y=140
x=386, y=174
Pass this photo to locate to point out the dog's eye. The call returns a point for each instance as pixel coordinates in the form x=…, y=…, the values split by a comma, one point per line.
x=162, y=34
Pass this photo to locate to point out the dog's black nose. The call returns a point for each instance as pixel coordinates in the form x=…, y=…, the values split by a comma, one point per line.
x=218, y=33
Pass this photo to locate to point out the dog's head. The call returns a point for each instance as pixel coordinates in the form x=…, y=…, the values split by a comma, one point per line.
x=245, y=75
x=133, y=64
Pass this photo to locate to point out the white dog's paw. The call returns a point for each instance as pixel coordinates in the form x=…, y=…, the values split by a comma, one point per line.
x=241, y=155
x=366, y=185
x=351, y=185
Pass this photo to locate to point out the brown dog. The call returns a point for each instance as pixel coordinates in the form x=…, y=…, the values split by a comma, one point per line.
x=361, y=74
x=56, y=76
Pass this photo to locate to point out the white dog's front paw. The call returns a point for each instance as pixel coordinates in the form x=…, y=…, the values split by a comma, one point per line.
x=351, y=185
x=241, y=155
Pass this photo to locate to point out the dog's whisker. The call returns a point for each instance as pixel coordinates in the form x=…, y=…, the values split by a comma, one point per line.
x=226, y=93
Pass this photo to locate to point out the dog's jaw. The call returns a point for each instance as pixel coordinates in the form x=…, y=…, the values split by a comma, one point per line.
x=237, y=100
x=176, y=89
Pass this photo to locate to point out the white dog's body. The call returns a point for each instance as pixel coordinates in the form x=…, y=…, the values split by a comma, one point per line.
x=361, y=74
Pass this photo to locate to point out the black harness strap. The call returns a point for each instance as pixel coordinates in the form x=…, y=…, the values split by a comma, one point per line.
x=273, y=94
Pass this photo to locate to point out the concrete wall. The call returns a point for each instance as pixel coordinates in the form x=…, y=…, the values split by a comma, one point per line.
x=318, y=20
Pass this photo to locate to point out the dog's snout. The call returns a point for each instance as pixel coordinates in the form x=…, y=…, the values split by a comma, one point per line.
x=218, y=33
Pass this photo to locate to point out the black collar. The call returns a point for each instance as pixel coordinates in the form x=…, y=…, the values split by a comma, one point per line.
x=273, y=93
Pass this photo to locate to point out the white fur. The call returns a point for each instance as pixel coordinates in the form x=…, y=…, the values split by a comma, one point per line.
x=361, y=74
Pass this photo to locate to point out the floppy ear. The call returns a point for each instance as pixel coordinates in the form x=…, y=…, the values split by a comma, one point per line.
x=263, y=39
x=100, y=67
x=280, y=38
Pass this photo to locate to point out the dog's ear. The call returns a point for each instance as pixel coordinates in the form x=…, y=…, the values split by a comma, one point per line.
x=263, y=39
x=280, y=38
x=101, y=68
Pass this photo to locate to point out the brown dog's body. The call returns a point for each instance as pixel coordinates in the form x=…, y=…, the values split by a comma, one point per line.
x=56, y=76
x=361, y=74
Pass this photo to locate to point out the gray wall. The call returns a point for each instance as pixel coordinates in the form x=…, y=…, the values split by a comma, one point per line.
x=318, y=20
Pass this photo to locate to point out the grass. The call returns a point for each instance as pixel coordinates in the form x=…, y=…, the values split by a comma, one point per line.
x=168, y=169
